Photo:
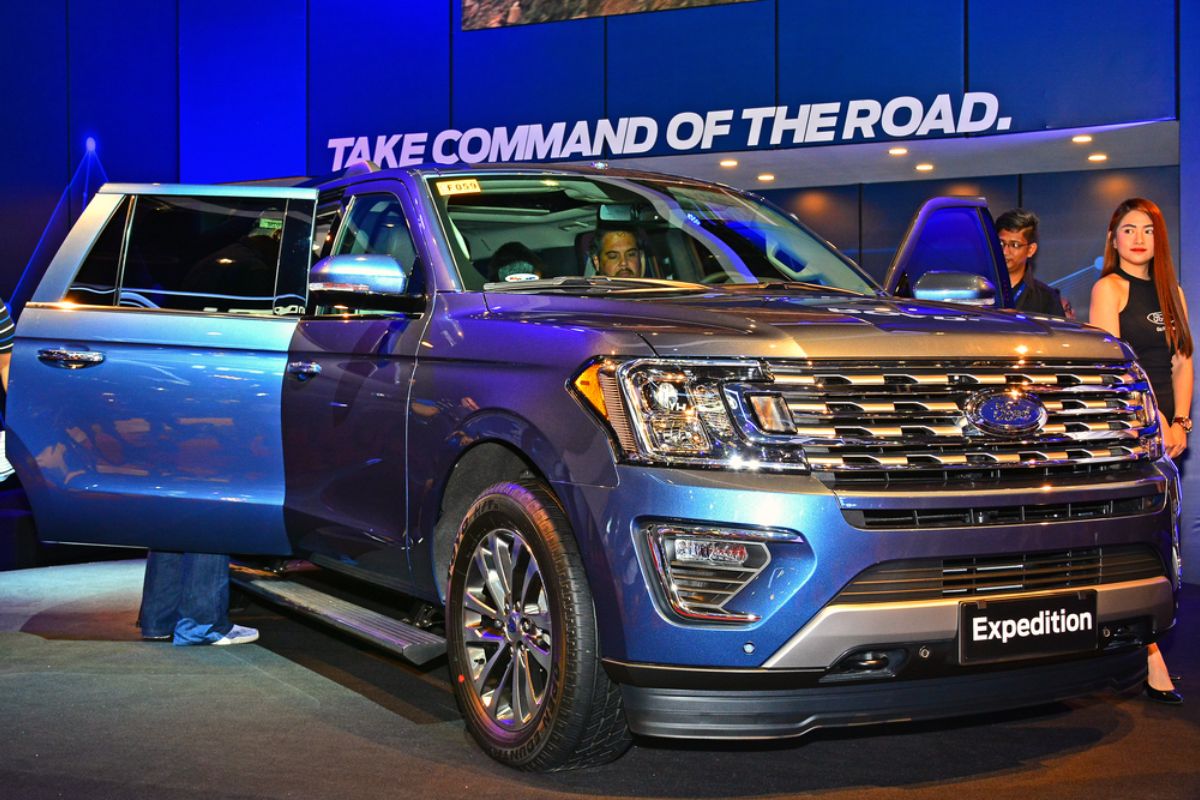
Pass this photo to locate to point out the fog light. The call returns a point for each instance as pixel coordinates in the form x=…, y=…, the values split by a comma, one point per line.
x=702, y=569
x=709, y=552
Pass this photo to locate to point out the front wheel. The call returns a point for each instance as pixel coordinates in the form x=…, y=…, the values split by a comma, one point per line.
x=522, y=640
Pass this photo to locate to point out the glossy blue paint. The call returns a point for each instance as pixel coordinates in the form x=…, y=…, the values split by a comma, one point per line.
x=463, y=394
x=802, y=577
x=178, y=427
x=335, y=437
x=346, y=440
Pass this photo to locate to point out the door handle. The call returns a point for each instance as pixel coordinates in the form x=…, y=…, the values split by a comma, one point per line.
x=304, y=370
x=70, y=359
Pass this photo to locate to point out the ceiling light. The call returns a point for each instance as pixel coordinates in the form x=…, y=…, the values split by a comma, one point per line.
x=766, y=177
x=1082, y=138
x=728, y=162
x=924, y=167
x=898, y=151
x=1097, y=157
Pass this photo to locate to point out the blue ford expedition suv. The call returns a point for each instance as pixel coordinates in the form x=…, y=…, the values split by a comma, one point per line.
x=638, y=454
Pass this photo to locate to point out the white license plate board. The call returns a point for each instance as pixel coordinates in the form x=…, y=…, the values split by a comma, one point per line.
x=1003, y=630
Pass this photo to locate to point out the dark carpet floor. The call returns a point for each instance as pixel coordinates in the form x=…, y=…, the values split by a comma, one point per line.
x=88, y=711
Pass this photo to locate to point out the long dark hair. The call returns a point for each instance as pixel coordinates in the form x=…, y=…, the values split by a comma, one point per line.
x=1162, y=270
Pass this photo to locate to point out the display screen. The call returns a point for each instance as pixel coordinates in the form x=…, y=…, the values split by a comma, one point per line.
x=478, y=14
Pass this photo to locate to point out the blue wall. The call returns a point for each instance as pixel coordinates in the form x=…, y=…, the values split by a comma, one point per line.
x=214, y=90
x=36, y=165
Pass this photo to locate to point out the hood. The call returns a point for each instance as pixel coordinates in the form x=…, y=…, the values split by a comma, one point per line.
x=759, y=324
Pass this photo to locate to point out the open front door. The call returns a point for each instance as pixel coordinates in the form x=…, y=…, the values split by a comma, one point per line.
x=951, y=235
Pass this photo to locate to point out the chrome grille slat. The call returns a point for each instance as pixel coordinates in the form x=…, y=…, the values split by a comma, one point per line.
x=908, y=417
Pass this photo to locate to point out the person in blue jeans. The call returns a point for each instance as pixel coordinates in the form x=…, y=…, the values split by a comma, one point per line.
x=185, y=599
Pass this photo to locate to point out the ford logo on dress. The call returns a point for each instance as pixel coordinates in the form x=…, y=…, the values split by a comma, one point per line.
x=1006, y=412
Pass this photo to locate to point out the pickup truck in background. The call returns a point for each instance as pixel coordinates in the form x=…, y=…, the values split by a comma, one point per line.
x=638, y=454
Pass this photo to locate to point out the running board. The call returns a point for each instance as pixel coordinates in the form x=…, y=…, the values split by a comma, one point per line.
x=407, y=641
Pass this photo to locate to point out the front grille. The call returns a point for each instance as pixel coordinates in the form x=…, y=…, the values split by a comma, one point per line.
x=875, y=519
x=907, y=421
x=1019, y=573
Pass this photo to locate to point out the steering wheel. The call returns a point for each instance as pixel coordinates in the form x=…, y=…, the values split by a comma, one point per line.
x=715, y=278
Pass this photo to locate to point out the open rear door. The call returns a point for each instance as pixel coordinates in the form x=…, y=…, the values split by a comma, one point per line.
x=950, y=234
x=147, y=372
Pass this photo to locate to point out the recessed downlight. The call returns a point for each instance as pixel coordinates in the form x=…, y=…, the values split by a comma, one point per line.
x=897, y=151
x=728, y=163
x=1082, y=138
x=924, y=167
x=766, y=177
x=1098, y=157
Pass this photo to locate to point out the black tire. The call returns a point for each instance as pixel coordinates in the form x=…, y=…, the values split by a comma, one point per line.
x=544, y=635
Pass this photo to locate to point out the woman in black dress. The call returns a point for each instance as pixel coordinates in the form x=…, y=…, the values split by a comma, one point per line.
x=1138, y=299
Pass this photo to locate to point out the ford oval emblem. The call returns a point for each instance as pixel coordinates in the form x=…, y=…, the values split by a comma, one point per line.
x=1006, y=412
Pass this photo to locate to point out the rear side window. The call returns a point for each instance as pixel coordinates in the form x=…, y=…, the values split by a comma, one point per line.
x=208, y=254
x=203, y=253
x=96, y=282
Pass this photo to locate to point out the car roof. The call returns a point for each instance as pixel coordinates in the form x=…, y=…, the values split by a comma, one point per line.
x=361, y=171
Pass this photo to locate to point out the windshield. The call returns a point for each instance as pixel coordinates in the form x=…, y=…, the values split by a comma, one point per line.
x=512, y=229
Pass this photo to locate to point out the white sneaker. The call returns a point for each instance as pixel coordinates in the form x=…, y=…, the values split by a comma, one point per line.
x=238, y=635
x=5, y=468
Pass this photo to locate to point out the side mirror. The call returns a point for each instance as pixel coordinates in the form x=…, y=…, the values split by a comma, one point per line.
x=955, y=287
x=363, y=275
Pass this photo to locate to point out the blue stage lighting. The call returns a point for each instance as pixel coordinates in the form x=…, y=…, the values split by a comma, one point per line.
x=88, y=177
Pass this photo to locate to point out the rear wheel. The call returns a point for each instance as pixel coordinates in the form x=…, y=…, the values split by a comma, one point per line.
x=522, y=639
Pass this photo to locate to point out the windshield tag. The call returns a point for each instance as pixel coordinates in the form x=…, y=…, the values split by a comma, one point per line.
x=463, y=186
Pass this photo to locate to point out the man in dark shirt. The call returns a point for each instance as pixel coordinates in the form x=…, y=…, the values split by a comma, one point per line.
x=1018, y=232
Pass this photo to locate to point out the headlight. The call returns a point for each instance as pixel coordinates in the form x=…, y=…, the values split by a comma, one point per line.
x=1146, y=418
x=683, y=412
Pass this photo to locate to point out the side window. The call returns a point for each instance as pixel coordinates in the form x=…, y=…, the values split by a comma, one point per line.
x=376, y=224
x=96, y=282
x=295, y=251
x=217, y=254
x=329, y=214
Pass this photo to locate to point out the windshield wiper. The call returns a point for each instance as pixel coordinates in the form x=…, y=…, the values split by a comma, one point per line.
x=809, y=287
x=593, y=284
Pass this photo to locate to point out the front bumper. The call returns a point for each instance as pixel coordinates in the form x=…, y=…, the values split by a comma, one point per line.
x=776, y=713
x=798, y=628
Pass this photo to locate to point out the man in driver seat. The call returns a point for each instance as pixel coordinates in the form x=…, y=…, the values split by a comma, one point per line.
x=617, y=254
